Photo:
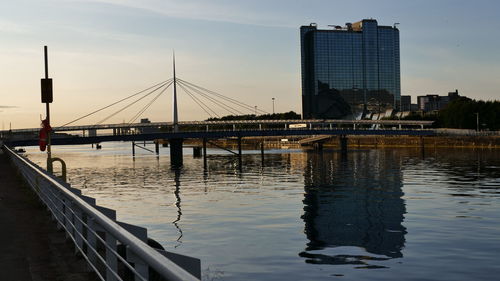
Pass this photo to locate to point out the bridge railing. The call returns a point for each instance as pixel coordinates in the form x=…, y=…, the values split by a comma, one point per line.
x=111, y=252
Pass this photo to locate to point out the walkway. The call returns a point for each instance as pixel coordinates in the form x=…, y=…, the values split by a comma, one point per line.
x=31, y=248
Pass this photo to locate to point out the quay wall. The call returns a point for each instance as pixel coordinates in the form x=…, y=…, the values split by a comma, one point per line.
x=366, y=142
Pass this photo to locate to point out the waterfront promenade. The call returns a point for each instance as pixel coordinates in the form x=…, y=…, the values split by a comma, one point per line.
x=32, y=249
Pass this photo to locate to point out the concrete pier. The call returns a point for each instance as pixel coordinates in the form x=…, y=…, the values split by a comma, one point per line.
x=343, y=144
x=32, y=247
x=176, y=152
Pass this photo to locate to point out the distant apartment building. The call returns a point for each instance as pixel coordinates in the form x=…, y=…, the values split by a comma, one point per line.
x=434, y=102
x=405, y=103
x=348, y=70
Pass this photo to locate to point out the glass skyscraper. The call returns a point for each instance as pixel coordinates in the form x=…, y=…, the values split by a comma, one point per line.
x=349, y=71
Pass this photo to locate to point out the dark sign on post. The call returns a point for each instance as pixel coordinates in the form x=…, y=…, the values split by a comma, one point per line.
x=47, y=90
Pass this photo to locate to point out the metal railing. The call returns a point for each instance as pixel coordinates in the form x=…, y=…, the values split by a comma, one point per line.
x=228, y=122
x=110, y=250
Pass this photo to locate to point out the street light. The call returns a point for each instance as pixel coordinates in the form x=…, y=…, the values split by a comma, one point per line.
x=273, y=105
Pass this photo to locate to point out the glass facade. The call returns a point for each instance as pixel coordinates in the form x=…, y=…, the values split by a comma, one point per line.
x=349, y=71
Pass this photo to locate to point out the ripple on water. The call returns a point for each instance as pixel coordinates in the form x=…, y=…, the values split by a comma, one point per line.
x=377, y=215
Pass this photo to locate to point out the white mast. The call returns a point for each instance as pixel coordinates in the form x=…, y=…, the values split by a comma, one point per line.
x=176, y=116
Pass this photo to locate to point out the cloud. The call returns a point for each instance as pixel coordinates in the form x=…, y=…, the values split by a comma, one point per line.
x=239, y=12
x=11, y=27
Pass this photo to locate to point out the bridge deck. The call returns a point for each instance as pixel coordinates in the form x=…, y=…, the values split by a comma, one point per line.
x=223, y=134
x=32, y=248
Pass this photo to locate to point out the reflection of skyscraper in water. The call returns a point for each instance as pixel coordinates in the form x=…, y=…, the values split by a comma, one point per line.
x=354, y=203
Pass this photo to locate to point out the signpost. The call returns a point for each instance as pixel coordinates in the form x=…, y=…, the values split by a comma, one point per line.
x=47, y=98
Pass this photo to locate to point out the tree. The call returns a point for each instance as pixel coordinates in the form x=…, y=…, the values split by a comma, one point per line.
x=461, y=114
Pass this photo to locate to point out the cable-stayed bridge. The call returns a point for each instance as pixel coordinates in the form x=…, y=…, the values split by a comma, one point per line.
x=212, y=103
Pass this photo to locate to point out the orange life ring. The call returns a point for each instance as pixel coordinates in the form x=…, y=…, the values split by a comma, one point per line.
x=44, y=131
x=42, y=140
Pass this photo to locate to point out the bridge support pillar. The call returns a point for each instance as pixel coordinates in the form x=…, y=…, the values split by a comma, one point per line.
x=343, y=144
x=318, y=146
x=240, y=162
x=133, y=149
x=157, y=147
x=262, y=151
x=176, y=151
x=239, y=146
x=205, y=154
x=197, y=152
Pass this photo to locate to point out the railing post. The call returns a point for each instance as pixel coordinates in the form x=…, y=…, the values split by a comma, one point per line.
x=139, y=265
x=51, y=199
x=111, y=259
x=91, y=241
x=78, y=229
x=60, y=210
x=69, y=218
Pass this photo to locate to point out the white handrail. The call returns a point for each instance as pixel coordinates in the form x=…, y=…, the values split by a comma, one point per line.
x=162, y=265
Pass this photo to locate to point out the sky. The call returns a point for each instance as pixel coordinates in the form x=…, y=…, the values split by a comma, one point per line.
x=103, y=50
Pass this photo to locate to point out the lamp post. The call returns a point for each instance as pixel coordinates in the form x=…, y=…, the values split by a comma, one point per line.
x=273, y=105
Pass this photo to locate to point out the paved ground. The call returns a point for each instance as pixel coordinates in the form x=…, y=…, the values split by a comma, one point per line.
x=31, y=248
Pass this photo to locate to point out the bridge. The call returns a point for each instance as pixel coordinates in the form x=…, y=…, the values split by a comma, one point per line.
x=176, y=132
x=94, y=134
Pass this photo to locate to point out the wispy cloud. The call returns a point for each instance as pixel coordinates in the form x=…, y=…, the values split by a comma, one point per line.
x=3, y=107
x=11, y=27
x=240, y=12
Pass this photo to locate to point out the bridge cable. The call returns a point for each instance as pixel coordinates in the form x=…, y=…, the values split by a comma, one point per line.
x=129, y=105
x=206, y=95
x=241, y=104
x=215, y=101
x=221, y=104
x=148, y=105
x=108, y=106
x=199, y=102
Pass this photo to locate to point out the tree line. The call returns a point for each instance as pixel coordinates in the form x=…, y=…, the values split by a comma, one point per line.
x=276, y=116
x=462, y=113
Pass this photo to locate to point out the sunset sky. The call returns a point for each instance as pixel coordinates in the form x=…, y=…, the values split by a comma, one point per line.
x=103, y=50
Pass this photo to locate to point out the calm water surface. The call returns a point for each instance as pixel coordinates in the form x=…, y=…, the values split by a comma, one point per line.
x=392, y=214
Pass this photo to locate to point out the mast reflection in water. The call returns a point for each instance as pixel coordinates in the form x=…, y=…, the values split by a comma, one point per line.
x=355, y=203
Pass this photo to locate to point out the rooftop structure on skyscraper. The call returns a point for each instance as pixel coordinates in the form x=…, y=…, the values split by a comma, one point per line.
x=347, y=71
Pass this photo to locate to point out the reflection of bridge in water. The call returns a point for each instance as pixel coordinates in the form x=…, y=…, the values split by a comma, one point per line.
x=354, y=203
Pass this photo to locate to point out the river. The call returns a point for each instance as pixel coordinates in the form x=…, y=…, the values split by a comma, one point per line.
x=377, y=214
